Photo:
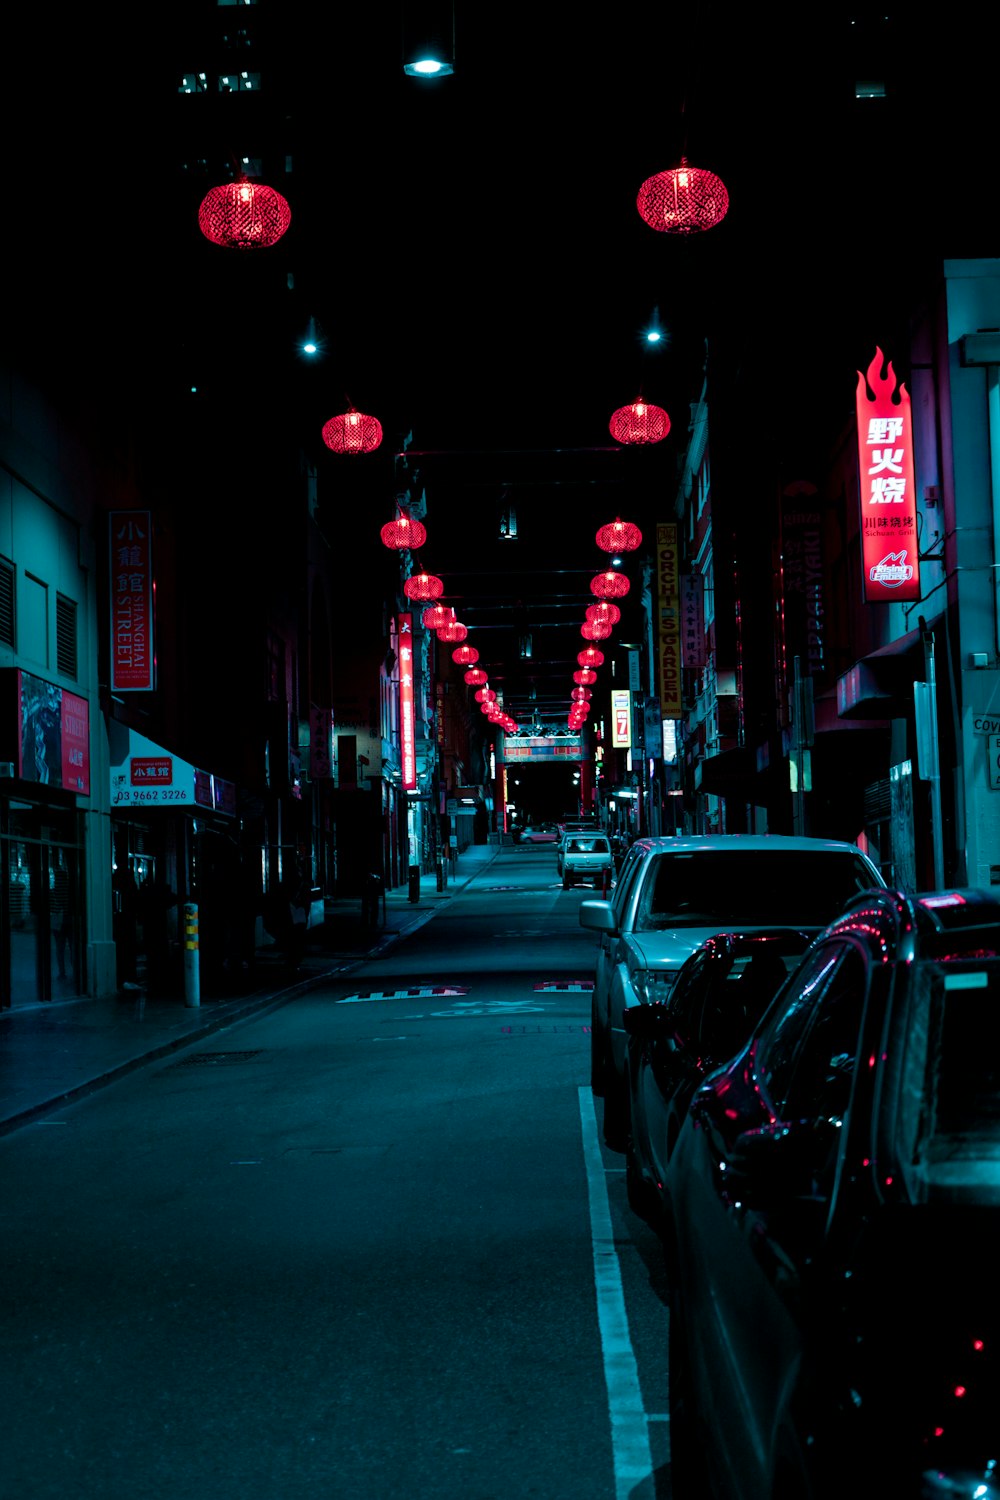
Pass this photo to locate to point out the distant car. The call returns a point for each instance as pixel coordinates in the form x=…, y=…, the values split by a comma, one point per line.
x=673, y=892
x=541, y=833
x=586, y=857
x=722, y=990
x=833, y=1221
x=570, y=830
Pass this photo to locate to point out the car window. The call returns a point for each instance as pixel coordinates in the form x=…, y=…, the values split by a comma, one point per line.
x=804, y=1057
x=758, y=887
x=633, y=863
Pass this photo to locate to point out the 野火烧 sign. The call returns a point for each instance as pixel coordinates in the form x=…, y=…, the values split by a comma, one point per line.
x=888, y=496
x=131, y=572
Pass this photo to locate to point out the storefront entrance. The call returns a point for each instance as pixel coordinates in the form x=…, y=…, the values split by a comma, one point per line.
x=41, y=907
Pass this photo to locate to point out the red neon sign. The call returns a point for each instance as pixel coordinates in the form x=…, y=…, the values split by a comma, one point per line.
x=407, y=728
x=888, y=491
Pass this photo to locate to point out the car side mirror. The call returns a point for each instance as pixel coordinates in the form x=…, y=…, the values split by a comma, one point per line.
x=598, y=916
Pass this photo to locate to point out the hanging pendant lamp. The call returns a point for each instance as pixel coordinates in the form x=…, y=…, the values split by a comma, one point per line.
x=609, y=585
x=639, y=423
x=404, y=533
x=683, y=200
x=585, y=676
x=619, y=536
x=476, y=677
x=465, y=656
x=485, y=695
x=593, y=631
x=453, y=631
x=591, y=657
x=352, y=432
x=437, y=616
x=243, y=215
x=580, y=694
x=604, y=613
x=423, y=586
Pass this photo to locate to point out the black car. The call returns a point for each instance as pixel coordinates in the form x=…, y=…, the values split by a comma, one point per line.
x=722, y=990
x=833, y=1223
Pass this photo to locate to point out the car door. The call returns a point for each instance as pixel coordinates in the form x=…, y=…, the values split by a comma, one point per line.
x=750, y=1240
x=610, y=944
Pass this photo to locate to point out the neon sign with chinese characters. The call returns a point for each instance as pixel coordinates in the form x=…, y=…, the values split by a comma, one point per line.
x=407, y=727
x=888, y=492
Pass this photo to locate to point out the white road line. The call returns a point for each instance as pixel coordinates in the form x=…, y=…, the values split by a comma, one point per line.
x=631, y=1455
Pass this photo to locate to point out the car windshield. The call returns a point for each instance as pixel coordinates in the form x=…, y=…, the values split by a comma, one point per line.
x=581, y=844
x=749, y=887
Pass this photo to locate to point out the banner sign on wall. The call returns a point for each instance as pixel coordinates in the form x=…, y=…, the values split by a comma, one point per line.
x=541, y=747
x=53, y=745
x=693, y=620
x=320, y=743
x=621, y=718
x=407, y=725
x=669, y=628
x=888, y=494
x=131, y=574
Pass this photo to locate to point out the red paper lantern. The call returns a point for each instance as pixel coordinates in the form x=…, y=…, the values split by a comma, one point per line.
x=683, y=200
x=594, y=632
x=476, y=677
x=453, y=631
x=423, y=586
x=580, y=694
x=603, y=613
x=639, y=423
x=465, y=655
x=437, y=616
x=243, y=215
x=585, y=676
x=352, y=432
x=591, y=657
x=485, y=695
x=404, y=532
x=610, y=585
x=619, y=536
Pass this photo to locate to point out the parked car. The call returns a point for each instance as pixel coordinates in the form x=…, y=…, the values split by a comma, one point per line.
x=539, y=833
x=672, y=893
x=833, y=1221
x=586, y=856
x=722, y=990
x=570, y=831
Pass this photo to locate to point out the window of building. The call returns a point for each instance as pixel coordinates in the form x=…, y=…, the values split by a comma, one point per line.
x=242, y=82
x=34, y=612
x=7, y=636
x=66, y=653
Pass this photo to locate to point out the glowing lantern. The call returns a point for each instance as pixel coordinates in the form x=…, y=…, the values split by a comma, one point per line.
x=591, y=657
x=584, y=676
x=485, y=695
x=404, y=532
x=603, y=613
x=437, y=616
x=423, y=586
x=639, y=423
x=594, y=632
x=610, y=585
x=619, y=536
x=465, y=656
x=352, y=432
x=476, y=677
x=453, y=631
x=243, y=215
x=683, y=200
x=580, y=694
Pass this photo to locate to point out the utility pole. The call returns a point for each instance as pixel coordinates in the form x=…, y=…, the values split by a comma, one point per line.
x=928, y=755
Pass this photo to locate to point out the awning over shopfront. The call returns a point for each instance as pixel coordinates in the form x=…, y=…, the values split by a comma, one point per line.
x=880, y=684
x=144, y=774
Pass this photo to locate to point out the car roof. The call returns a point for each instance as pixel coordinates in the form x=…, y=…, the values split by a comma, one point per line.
x=693, y=843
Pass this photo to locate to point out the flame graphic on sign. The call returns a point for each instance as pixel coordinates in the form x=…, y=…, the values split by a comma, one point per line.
x=883, y=386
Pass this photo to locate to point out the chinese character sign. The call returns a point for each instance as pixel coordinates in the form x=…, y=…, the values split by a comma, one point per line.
x=669, y=628
x=407, y=725
x=693, y=620
x=131, y=574
x=888, y=496
x=621, y=718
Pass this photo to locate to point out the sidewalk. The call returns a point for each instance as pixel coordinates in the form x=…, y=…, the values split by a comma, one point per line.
x=52, y=1053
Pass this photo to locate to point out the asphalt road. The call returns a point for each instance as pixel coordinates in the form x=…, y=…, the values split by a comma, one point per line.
x=366, y=1245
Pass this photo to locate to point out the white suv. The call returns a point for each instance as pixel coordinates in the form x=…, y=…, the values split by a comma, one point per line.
x=672, y=894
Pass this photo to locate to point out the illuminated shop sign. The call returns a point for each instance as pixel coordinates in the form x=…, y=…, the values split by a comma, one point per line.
x=888, y=495
x=131, y=572
x=668, y=633
x=407, y=726
x=621, y=718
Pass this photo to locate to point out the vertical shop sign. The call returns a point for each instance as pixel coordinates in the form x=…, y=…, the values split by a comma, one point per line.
x=621, y=719
x=321, y=743
x=131, y=574
x=888, y=495
x=668, y=628
x=693, y=621
x=802, y=576
x=407, y=727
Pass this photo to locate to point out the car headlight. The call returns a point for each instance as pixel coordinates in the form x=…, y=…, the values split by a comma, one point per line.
x=653, y=985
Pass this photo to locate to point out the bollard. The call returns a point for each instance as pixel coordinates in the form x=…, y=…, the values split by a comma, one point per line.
x=414, y=882
x=440, y=872
x=192, y=974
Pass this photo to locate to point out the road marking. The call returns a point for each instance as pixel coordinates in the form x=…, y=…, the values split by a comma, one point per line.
x=566, y=986
x=631, y=1455
x=426, y=992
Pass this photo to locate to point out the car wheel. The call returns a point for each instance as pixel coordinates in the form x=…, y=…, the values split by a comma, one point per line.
x=642, y=1196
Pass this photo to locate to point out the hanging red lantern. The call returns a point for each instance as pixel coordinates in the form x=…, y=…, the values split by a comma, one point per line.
x=618, y=536
x=243, y=215
x=639, y=423
x=610, y=585
x=437, y=616
x=580, y=694
x=352, y=432
x=404, y=533
x=453, y=631
x=465, y=656
x=423, y=586
x=594, y=632
x=476, y=677
x=485, y=695
x=591, y=657
x=585, y=676
x=683, y=200
x=603, y=613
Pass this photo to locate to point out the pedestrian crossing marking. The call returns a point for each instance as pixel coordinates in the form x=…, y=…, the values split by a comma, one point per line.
x=565, y=986
x=423, y=992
